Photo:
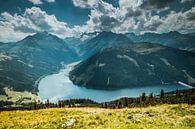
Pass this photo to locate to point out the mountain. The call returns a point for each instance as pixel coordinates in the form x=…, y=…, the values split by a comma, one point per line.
x=131, y=65
x=1, y=44
x=77, y=42
x=172, y=39
x=100, y=42
x=24, y=62
x=192, y=34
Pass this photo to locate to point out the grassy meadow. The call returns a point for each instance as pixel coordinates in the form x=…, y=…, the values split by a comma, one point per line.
x=179, y=116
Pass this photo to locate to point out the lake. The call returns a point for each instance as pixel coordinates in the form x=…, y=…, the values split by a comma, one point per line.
x=58, y=86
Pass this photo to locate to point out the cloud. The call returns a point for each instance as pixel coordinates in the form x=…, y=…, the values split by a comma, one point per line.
x=183, y=22
x=85, y=3
x=133, y=4
x=190, y=15
x=33, y=20
x=37, y=2
x=103, y=17
x=131, y=17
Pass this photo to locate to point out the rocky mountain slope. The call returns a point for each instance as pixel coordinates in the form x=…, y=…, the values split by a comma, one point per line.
x=24, y=62
x=100, y=42
x=133, y=65
x=172, y=39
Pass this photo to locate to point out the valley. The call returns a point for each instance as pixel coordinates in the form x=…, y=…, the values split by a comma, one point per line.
x=65, y=89
x=108, y=66
x=97, y=64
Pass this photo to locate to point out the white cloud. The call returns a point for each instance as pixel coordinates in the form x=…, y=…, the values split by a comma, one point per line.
x=133, y=4
x=103, y=17
x=85, y=3
x=33, y=20
x=183, y=22
x=132, y=17
x=9, y=35
x=37, y=2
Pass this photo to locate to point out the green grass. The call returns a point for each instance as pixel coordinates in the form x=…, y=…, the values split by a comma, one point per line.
x=155, y=117
x=15, y=96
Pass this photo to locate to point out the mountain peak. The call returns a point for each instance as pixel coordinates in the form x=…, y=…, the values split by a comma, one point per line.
x=42, y=34
x=108, y=33
x=174, y=33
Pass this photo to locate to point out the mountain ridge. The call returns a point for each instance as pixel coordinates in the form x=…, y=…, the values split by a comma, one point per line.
x=101, y=41
x=24, y=62
x=132, y=65
x=172, y=39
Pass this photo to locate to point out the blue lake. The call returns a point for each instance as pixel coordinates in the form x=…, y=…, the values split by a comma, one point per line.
x=58, y=86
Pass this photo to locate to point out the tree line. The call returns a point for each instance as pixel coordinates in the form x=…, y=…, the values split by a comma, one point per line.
x=182, y=96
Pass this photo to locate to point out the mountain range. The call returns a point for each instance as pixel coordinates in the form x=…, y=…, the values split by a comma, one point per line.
x=135, y=64
x=108, y=60
x=24, y=62
x=172, y=39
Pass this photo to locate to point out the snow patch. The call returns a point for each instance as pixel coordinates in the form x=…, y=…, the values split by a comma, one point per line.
x=191, y=80
x=165, y=61
x=128, y=58
x=4, y=57
x=108, y=81
x=144, y=51
x=101, y=65
x=29, y=65
x=186, y=85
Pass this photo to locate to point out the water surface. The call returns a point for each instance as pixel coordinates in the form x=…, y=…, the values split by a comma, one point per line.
x=58, y=86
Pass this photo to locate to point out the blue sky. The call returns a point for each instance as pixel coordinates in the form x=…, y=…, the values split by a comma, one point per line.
x=64, y=10
x=71, y=18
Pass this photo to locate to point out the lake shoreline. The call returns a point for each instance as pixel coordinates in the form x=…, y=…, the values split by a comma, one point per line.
x=58, y=86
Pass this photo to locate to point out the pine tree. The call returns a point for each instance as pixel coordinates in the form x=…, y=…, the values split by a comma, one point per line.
x=192, y=91
x=177, y=93
x=162, y=94
x=126, y=102
x=143, y=97
x=47, y=104
x=62, y=103
x=59, y=104
x=119, y=105
x=105, y=105
x=69, y=105
x=35, y=105
x=151, y=96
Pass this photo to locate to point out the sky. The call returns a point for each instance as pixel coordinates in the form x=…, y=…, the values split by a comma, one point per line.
x=71, y=18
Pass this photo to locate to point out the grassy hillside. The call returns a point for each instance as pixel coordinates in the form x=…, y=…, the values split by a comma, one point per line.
x=162, y=117
x=18, y=97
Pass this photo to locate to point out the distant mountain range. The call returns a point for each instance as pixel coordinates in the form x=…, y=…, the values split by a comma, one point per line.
x=111, y=61
x=24, y=62
x=172, y=39
x=131, y=65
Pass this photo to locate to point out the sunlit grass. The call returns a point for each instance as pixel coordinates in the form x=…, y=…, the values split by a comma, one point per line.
x=161, y=117
x=15, y=96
